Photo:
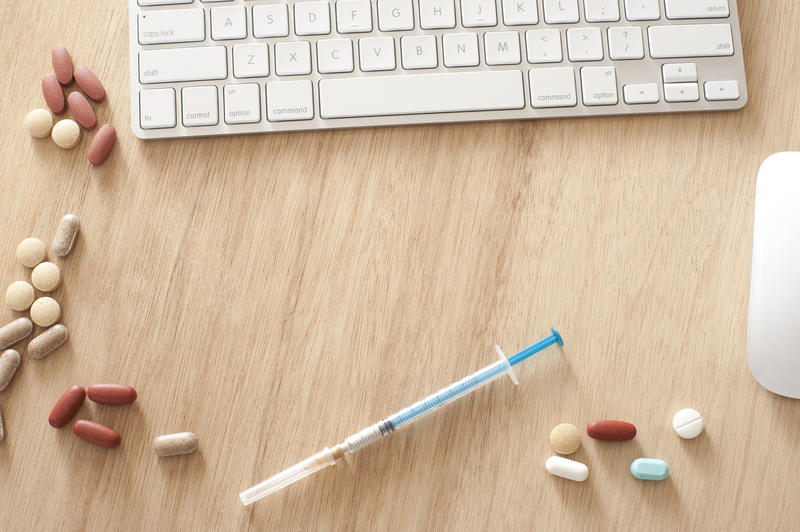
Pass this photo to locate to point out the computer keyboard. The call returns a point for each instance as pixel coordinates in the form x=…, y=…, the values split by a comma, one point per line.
x=203, y=67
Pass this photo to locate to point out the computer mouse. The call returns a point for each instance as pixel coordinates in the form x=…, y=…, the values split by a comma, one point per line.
x=773, y=324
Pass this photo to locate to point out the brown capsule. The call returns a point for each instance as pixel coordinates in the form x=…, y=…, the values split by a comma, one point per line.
x=82, y=110
x=96, y=433
x=48, y=341
x=13, y=332
x=112, y=394
x=53, y=94
x=89, y=84
x=9, y=362
x=62, y=65
x=67, y=406
x=101, y=144
x=609, y=430
x=66, y=233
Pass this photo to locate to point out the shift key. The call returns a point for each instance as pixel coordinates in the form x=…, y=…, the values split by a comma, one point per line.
x=182, y=64
x=690, y=40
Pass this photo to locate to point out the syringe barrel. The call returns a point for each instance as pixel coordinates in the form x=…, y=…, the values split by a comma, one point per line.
x=310, y=465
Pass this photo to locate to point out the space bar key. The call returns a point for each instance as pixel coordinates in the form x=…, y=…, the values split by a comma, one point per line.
x=450, y=92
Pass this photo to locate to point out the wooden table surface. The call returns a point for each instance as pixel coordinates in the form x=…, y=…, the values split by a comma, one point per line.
x=276, y=293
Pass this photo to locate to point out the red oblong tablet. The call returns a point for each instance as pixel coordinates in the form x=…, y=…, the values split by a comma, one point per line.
x=96, y=433
x=112, y=394
x=82, y=110
x=610, y=430
x=53, y=94
x=67, y=406
x=62, y=65
x=89, y=84
x=101, y=144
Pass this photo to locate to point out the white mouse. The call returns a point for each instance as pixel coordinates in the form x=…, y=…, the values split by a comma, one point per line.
x=773, y=325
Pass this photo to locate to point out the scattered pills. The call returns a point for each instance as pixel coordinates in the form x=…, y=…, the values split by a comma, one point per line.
x=48, y=341
x=53, y=94
x=19, y=296
x=30, y=252
x=609, y=430
x=96, y=433
x=649, y=469
x=565, y=438
x=66, y=234
x=89, y=84
x=66, y=134
x=112, y=394
x=9, y=362
x=62, y=65
x=566, y=468
x=45, y=311
x=688, y=423
x=82, y=110
x=38, y=123
x=46, y=277
x=17, y=330
x=101, y=145
x=175, y=444
x=67, y=406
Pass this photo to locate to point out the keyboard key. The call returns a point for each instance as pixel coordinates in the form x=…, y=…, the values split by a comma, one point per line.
x=625, y=43
x=242, y=103
x=421, y=93
x=157, y=108
x=681, y=92
x=353, y=16
x=418, y=51
x=292, y=58
x=560, y=11
x=601, y=10
x=640, y=93
x=162, y=2
x=694, y=40
x=722, y=90
x=228, y=23
x=679, y=72
x=170, y=26
x=199, y=105
x=642, y=10
x=520, y=12
x=697, y=8
x=183, y=64
x=437, y=14
x=543, y=46
x=376, y=53
x=501, y=48
x=553, y=87
x=478, y=13
x=289, y=100
x=585, y=44
x=334, y=55
x=250, y=60
x=599, y=85
x=395, y=15
x=312, y=18
x=270, y=20
x=460, y=49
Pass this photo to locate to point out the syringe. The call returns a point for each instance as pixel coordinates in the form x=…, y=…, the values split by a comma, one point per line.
x=328, y=457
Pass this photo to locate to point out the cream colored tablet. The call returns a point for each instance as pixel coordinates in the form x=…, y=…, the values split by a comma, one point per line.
x=46, y=277
x=19, y=296
x=45, y=311
x=30, y=252
x=565, y=438
x=66, y=133
x=38, y=123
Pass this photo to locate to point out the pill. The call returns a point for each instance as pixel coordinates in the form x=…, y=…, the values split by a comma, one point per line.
x=13, y=332
x=175, y=444
x=30, y=252
x=112, y=394
x=688, y=423
x=101, y=144
x=82, y=110
x=45, y=311
x=66, y=134
x=62, y=65
x=565, y=438
x=67, y=406
x=46, y=277
x=649, y=469
x=609, y=430
x=89, y=84
x=38, y=123
x=66, y=234
x=48, y=341
x=9, y=362
x=96, y=433
x=53, y=94
x=19, y=296
x=566, y=468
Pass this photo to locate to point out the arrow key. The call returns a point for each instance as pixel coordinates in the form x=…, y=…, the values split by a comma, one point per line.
x=679, y=72
x=722, y=90
x=640, y=93
x=681, y=92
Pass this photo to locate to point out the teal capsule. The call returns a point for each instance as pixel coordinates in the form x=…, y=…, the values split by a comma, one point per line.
x=649, y=469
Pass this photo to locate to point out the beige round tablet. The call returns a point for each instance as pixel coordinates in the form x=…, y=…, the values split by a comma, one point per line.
x=45, y=311
x=66, y=133
x=19, y=296
x=565, y=438
x=38, y=123
x=46, y=277
x=30, y=252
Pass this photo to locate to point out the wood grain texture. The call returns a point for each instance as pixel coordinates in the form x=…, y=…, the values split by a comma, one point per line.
x=276, y=293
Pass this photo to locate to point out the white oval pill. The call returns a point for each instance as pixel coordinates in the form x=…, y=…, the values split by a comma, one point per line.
x=688, y=423
x=566, y=468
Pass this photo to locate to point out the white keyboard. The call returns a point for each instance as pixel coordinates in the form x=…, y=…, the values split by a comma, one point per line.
x=221, y=67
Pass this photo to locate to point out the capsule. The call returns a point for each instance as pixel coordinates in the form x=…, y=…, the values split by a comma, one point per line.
x=175, y=444
x=48, y=341
x=566, y=468
x=9, y=362
x=649, y=469
x=112, y=394
x=17, y=330
x=67, y=406
x=66, y=234
x=96, y=433
x=609, y=430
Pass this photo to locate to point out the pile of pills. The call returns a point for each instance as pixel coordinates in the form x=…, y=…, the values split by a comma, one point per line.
x=66, y=133
x=70, y=402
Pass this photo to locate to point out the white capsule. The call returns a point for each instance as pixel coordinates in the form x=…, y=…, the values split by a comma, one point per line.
x=566, y=468
x=688, y=423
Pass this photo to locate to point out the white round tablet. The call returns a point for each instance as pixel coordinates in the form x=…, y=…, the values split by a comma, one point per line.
x=688, y=423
